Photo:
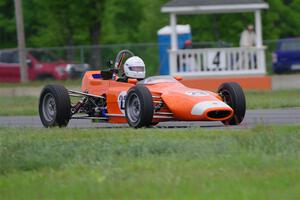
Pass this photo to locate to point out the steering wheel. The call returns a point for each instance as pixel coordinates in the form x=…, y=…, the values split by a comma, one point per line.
x=120, y=58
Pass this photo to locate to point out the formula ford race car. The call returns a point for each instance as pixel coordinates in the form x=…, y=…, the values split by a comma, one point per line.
x=138, y=101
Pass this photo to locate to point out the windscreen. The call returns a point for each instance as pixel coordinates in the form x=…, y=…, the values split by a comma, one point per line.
x=158, y=79
x=291, y=45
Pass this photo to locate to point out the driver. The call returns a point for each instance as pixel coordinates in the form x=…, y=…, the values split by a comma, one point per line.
x=134, y=67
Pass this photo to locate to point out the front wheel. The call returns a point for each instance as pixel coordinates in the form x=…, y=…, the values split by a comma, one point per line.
x=55, y=106
x=233, y=95
x=139, y=107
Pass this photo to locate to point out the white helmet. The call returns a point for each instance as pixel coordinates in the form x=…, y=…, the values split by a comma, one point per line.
x=134, y=67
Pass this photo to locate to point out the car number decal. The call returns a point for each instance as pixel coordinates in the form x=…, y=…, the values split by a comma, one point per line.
x=197, y=93
x=121, y=101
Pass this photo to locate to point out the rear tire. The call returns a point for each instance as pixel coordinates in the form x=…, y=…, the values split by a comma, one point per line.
x=233, y=95
x=139, y=107
x=54, y=106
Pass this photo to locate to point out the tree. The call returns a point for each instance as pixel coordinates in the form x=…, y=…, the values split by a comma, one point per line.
x=7, y=24
x=69, y=23
x=95, y=22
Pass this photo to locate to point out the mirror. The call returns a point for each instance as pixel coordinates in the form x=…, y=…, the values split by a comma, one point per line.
x=132, y=81
x=178, y=78
x=29, y=63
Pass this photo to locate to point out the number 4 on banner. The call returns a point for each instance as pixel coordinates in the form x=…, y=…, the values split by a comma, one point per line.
x=216, y=60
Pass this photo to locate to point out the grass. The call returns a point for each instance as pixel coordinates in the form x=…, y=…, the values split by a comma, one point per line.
x=28, y=105
x=18, y=105
x=41, y=83
x=273, y=99
x=194, y=163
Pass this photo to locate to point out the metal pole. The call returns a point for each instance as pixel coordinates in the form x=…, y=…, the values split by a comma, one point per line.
x=21, y=41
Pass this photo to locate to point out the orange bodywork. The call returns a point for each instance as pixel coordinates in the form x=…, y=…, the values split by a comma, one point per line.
x=179, y=102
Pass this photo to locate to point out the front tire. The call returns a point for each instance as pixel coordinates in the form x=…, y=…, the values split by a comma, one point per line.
x=139, y=107
x=233, y=95
x=54, y=106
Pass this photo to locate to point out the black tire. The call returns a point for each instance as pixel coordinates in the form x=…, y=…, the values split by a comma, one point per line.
x=54, y=106
x=233, y=95
x=139, y=107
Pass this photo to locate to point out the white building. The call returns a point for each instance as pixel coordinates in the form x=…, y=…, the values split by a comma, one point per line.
x=217, y=61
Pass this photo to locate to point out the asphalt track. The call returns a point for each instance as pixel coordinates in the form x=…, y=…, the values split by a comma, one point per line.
x=252, y=118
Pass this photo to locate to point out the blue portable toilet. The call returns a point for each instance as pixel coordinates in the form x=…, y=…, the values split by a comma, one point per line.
x=164, y=42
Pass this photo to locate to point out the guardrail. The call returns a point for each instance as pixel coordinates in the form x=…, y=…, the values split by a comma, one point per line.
x=218, y=61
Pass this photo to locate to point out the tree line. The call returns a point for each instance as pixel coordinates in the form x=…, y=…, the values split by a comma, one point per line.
x=94, y=22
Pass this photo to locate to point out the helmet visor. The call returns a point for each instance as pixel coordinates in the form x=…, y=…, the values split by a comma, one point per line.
x=137, y=69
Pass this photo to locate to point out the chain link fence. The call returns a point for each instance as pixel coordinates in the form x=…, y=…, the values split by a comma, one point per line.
x=270, y=48
x=98, y=56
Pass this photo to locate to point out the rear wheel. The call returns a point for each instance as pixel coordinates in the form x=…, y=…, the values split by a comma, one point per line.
x=233, y=95
x=139, y=107
x=54, y=106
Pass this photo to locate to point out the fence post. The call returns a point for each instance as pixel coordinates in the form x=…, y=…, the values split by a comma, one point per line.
x=21, y=41
x=82, y=55
x=172, y=62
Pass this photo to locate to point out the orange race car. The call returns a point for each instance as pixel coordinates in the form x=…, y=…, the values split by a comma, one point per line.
x=122, y=94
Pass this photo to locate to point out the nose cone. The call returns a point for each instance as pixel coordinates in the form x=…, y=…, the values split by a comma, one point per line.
x=196, y=108
x=200, y=108
x=213, y=110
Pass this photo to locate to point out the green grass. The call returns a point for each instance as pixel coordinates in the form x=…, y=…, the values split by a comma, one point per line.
x=28, y=105
x=273, y=99
x=194, y=163
x=67, y=83
x=19, y=105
